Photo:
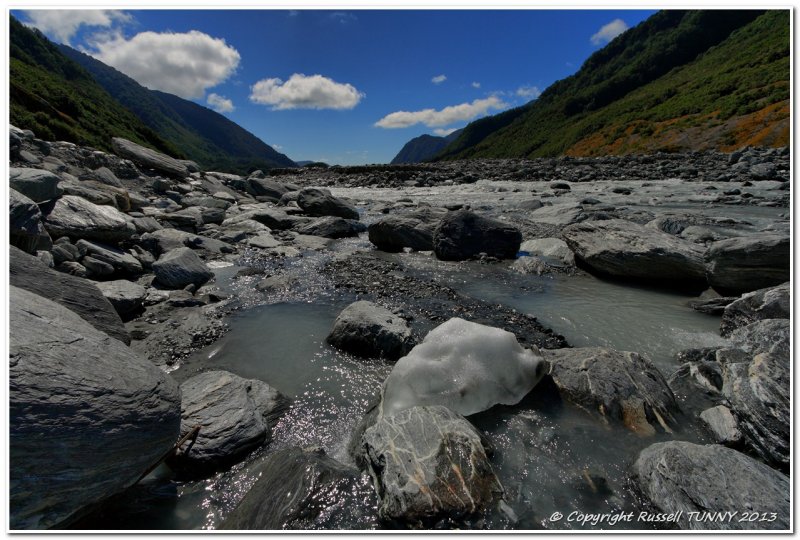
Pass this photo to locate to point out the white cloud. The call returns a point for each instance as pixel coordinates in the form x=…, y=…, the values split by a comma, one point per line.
x=305, y=92
x=181, y=64
x=277, y=146
x=221, y=104
x=439, y=79
x=531, y=92
x=442, y=132
x=476, y=85
x=343, y=17
x=609, y=32
x=62, y=24
x=443, y=117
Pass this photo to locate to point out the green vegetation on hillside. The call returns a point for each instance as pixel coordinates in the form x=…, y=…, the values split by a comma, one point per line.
x=685, y=68
x=57, y=99
x=205, y=136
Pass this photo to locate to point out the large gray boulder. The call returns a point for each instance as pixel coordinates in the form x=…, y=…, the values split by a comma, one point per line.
x=624, y=249
x=768, y=335
x=746, y=263
x=235, y=416
x=78, y=218
x=303, y=489
x=38, y=185
x=551, y=249
x=74, y=293
x=680, y=476
x=122, y=261
x=149, y=158
x=25, y=223
x=126, y=297
x=318, y=202
x=268, y=189
x=181, y=267
x=621, y=386
x=463, y=234
x=331, y=227
x=770, y=303
x=393, y=233
x=87, y=415
x=759, y=396
x=367, y=329
x=428, y=462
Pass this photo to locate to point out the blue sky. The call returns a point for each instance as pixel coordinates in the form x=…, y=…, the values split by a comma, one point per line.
x=347, y=87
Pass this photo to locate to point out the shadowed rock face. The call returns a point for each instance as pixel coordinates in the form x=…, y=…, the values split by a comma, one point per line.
x=625, y=249
x=317, y=202
x=369, y=330
x=772, y=303
x=393, y=233
x=87, y=415
x=621, y=386
x=305, y=489
x=462, y=235
x=678, y=475
x=760, y=399
x=747, y=263
x=25, y=223
x=181, y=267
x=428, y=462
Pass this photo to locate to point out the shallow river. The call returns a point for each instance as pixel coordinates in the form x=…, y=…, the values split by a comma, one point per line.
x=549, y=455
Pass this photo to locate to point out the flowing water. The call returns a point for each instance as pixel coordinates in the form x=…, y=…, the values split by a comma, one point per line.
x=549, y=455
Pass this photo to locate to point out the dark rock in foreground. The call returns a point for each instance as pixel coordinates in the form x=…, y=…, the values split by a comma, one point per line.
x=303, y=489
x=463, y=235
x=74, y=293
x=126, y=297
x=25, y=224
x=746, y=263
x=625, y=249
x=620, y=386
x=429, y=462
x=760, y=399
x=369, y=330
x=331, y=227
x=36, y=184
x=771, y=303
x=678, y=475
x=393, y=233
x=87, y=415
x=235, y=416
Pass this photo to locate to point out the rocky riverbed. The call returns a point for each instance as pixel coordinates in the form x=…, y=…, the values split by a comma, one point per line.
x=484, y=344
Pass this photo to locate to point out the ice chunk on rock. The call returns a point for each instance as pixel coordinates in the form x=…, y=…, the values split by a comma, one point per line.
x=464, y=366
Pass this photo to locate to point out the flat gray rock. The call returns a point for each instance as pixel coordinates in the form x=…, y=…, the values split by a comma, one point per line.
x=74, y=293
x=180, y=267
x=559, y=215
x=620, y=386
x=25, y=223
x=428, y=462
x=747, y=263
x=149, y=158
x=303, y=489
x=768, y=335
x=367, y=329
x=235, y=416
x=126, y=297
x=263, y=187
x=317, y=202
x=770, y=303
x=681, y=476
x=87, y=415
x=759, y=395
x=722, y=425
x=625, y=249
x=78, y=218
x=462, y=234
x=330, y=227
x=38, y=185
x=553, y=249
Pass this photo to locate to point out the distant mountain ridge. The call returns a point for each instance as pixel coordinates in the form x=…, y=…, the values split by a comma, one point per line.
x=205, y=136
x=423, y=148
x=59, y=100
x=681, y=80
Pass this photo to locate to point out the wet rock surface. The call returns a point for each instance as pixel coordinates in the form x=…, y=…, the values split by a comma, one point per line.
x=367, y=329
x=744, y=264
x=771, y=303
x=428, y=461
